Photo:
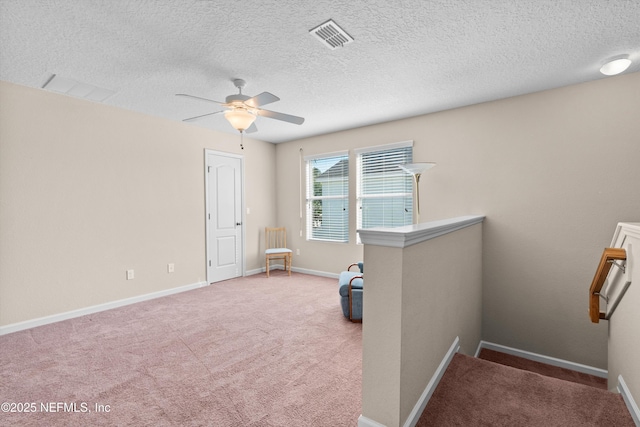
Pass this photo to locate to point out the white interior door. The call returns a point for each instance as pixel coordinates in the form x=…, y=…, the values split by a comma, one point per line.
x=225, y=251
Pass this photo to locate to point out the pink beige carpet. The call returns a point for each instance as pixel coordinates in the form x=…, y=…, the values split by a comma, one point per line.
x=245, y=352
x=543, y=368
x=476, y=392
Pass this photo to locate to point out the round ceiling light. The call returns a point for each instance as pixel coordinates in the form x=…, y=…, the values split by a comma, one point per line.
x=616, y=65
x=239, y=118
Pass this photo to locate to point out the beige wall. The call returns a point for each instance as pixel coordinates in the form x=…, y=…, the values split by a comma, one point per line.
x=445, y=276
x=554, y=172
x=89, y=191
x=418, y=299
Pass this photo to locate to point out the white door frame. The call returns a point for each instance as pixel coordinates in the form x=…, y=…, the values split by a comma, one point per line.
x=207, y=152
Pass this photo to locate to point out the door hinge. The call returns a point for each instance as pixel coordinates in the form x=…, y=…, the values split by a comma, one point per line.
x=208, y=169
x=209, y=263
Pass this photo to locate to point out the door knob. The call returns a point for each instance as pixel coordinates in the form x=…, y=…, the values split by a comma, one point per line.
x=238, y=223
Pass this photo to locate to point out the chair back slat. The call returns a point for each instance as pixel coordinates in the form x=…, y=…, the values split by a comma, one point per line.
x=275, y=237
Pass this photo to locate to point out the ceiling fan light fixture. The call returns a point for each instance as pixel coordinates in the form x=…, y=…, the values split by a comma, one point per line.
x=239, y=118
x=616, y=65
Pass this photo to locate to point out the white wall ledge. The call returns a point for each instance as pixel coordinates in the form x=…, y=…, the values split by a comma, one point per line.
x=401, y=237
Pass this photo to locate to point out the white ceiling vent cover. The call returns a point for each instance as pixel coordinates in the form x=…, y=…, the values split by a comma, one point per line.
x=331, y=35
x=75, y=88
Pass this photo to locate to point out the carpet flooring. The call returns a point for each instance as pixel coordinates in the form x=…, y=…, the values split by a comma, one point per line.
x=245, y=352
x=476, y=392
x=543, y=368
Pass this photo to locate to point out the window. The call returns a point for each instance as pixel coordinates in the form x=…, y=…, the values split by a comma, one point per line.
x=385, y=192
x=328, y=197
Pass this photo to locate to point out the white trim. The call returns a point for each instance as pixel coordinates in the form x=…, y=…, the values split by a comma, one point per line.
x=401, y=237
x=585, y=369
x=616, y=285
x=391, y=146
x=263, y=270
x=28, y=324
x=243, y=212
x=629, y=228
x=628, y=400
x=325, y=155
x=477, y=353
x=294, y=269
x=255, y=271
x=366, y=422
x=421, y=404
x=310, y=181
x=315, y=272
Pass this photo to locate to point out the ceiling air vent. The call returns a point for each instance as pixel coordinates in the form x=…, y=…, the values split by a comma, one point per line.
x=75, y=88
x=331, y=35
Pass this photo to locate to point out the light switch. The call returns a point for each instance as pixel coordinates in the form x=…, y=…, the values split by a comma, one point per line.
x=130, y=275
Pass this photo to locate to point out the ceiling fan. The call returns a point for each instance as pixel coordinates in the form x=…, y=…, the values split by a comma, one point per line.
x=243, y=110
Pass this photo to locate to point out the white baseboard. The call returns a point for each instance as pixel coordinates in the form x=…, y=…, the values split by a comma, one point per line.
x=585, y=369
x=264, y=269
x=366, y=422
x=418, y=409
x=316, y=272
x=628, y=400
x=28, y=324
x=255, y=271
x=294, y=269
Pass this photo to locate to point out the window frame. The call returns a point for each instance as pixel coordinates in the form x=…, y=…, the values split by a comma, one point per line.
x=340, y=156
x=361, y=197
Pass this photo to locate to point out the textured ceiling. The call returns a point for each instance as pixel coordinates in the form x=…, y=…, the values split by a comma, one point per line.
x=409, y=57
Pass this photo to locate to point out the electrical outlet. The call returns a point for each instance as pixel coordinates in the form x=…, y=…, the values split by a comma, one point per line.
x=130, y=275
x=171, y=268
x=298, y=251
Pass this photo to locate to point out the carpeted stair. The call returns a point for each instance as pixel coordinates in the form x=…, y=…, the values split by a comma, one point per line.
x=543, y=368
x=477, y=392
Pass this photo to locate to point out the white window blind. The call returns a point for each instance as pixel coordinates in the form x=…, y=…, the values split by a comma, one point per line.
x=385, y=192
x=328, y=198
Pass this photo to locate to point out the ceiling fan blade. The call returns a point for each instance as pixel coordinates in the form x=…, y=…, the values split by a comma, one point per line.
x=198, y=98
x=252, y=128
x=281, y=116
x=190, y=119
x=263, y=99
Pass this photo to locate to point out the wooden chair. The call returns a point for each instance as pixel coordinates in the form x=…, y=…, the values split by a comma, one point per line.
x=275, y=239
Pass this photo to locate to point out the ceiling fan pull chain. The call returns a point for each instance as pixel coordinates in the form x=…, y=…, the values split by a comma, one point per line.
x=241, y=140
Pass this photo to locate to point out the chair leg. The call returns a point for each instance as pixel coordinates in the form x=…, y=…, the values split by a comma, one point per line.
x=289, y=256
x=351, y=306
x=267, y=262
